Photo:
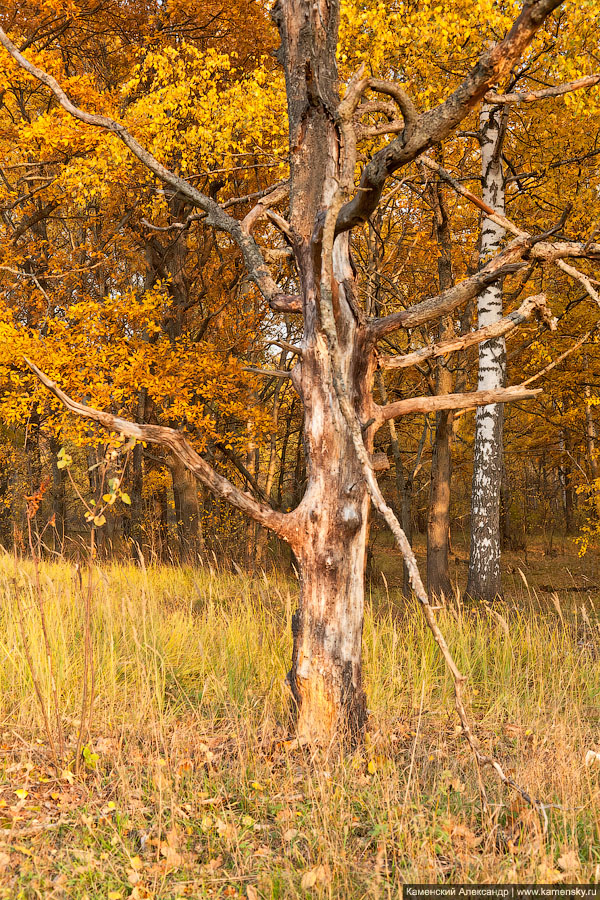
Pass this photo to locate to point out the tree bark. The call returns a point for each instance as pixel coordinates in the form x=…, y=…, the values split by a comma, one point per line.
x=187, y=513
x=438, y=523
x=326, y=675
x=484, y=581
x=59, y=480
x=331, y=529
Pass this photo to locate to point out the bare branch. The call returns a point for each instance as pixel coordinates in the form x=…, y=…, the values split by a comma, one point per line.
x=537, y=304
x=509, y=260
x=516, y=256
x=175, y=226
x=376, y=106
x=256, y=195
x=546, y=93
x=559, y=359
x=436, y=124
x=261, y=209
x=581, y=278
x=396, y=126
x=291, y=348
x=452, y=401
x=182, y=449
x=269, y=373
x=401, y=97
x=473, y=198
x=286, y=303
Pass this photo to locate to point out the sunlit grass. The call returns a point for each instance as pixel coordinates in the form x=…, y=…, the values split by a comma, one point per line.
x=193, y=791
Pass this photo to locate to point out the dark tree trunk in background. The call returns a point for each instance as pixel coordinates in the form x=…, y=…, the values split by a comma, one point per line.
x=136, y=511
x=438, y=523
x=187, y=513
x=591, y=438
x=508, y=538
x=59, y=505
x=403, y=487
x=568, y=495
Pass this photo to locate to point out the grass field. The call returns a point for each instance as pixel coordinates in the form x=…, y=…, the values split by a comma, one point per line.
x=185, y=785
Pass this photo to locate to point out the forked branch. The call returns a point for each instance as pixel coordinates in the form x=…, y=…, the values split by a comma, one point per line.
x=537, y=304
x=436, y=124
x=545, y=93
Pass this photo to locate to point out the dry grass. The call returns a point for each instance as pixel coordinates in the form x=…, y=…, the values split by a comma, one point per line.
x=186, y=787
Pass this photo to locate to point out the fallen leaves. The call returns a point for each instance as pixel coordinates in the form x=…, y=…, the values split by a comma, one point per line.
x=321, y=874
x=569, y=862
x=173, y=859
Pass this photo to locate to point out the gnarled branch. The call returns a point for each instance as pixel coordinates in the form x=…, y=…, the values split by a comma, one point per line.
x=452, y=401
x=537, y=304
x=436, y=124
x=175, y=441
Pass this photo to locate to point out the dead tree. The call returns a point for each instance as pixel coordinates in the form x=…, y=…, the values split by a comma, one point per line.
x=337, y=357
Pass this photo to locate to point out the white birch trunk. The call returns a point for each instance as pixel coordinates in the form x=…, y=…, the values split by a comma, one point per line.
x=484, y=564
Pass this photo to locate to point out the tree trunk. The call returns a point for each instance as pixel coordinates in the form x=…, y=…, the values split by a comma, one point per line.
x=438, y=523
x=283, y=460
x=332, y=519
x=59, y=479
x=484, y=582
x=326, y=675
x=509, y=539
x=591, y=436
x=403, y=487
x=187, y=513
x=136, y=514
x=567, y=474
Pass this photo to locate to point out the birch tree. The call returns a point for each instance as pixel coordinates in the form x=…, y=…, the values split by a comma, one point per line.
x=485, y=580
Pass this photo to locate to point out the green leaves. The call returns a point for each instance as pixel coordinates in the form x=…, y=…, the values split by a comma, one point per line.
x=64, y=460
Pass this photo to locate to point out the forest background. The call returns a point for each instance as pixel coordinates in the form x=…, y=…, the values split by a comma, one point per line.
x=111, y=289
